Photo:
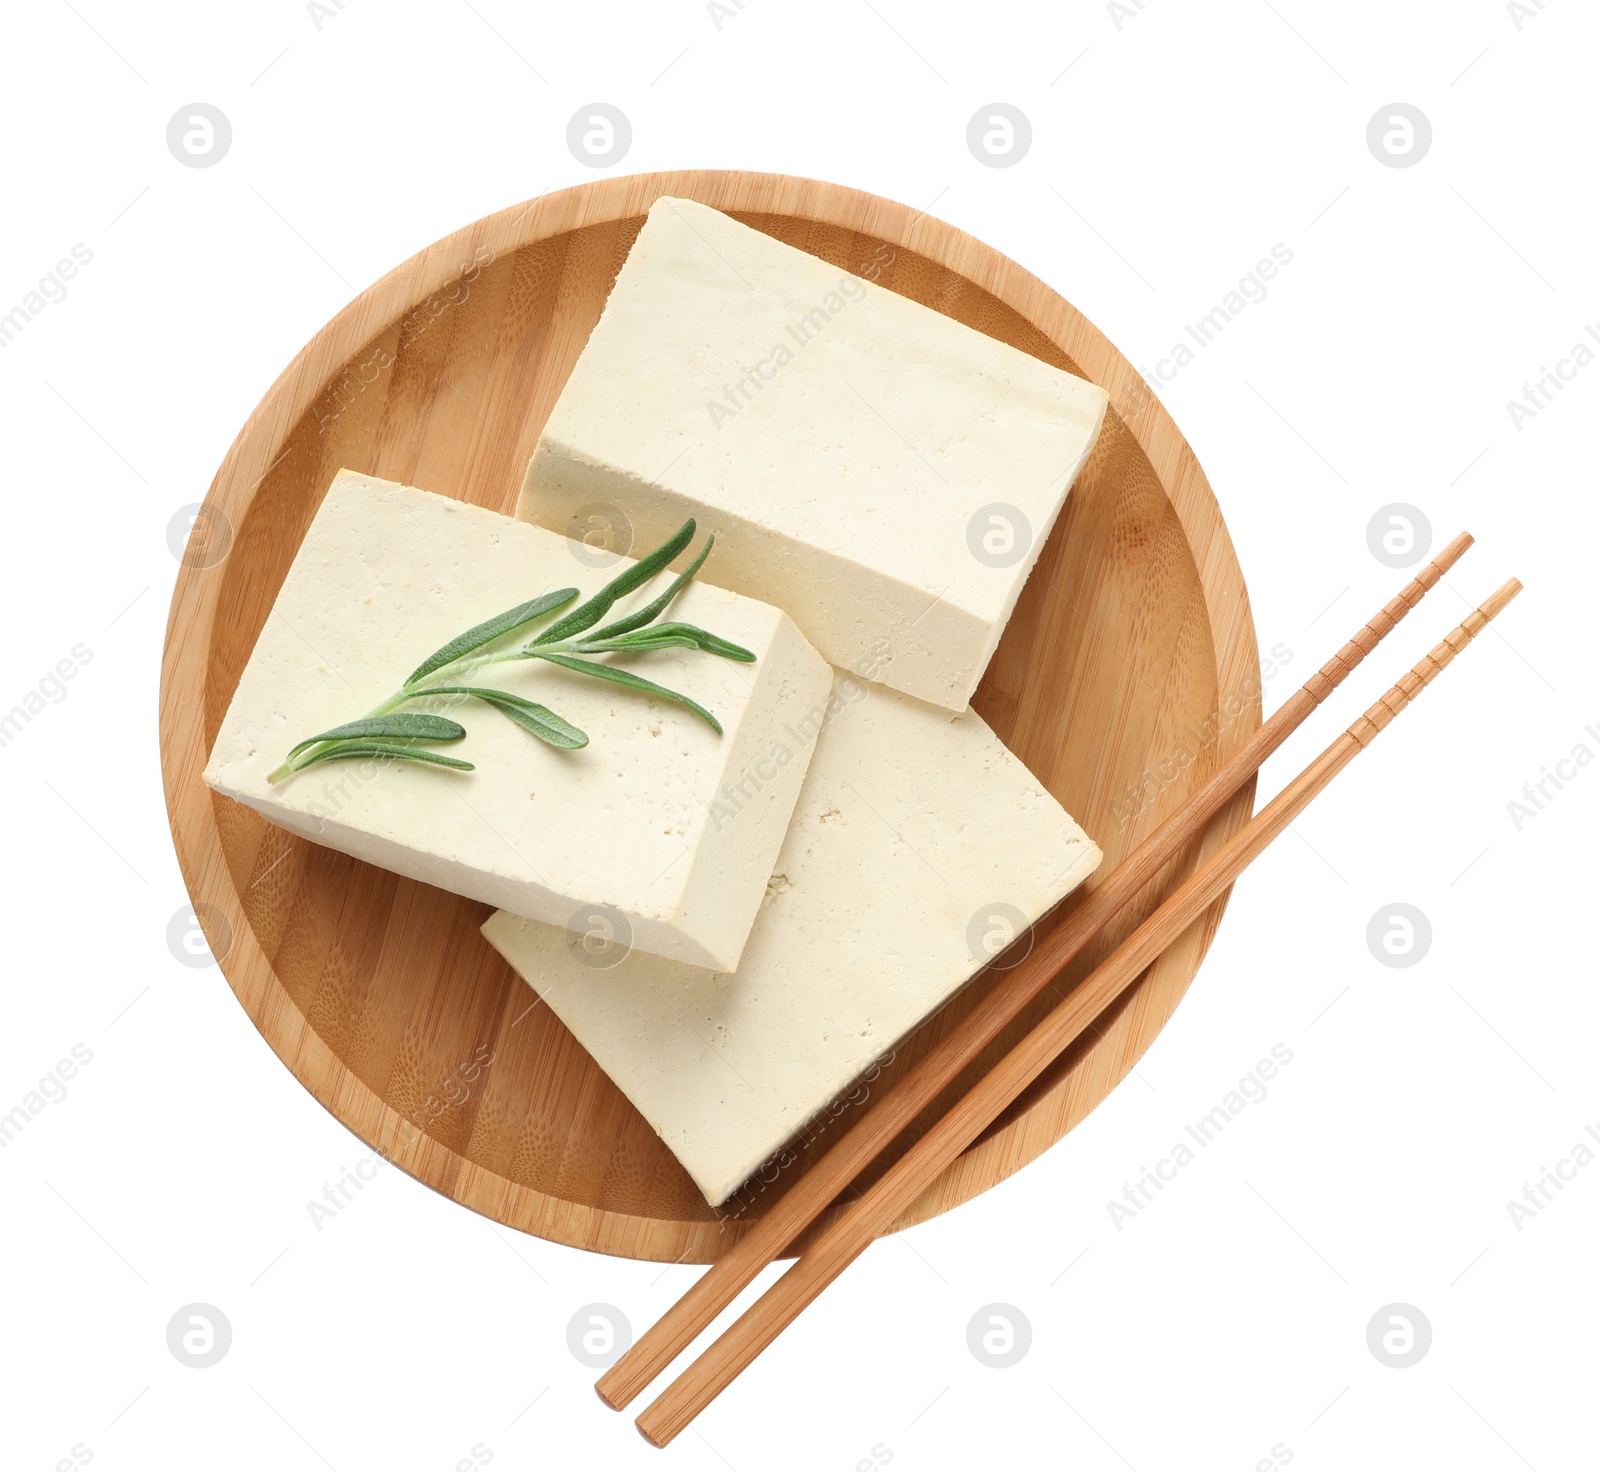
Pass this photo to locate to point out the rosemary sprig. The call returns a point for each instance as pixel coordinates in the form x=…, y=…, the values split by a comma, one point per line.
x=387, y=732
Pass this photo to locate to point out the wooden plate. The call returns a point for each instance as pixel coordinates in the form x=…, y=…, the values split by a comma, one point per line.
x=378, y=993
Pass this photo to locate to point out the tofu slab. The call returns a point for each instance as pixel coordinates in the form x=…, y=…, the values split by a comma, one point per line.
x=918, y=846
x=884, y=474
x=637, y=820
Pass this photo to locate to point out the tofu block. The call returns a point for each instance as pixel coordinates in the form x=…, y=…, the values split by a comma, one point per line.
x=884, y=474
x=919, y=848
x=637, y=820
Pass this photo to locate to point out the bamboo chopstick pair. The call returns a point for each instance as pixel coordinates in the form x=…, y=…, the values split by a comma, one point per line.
x=875, y=1210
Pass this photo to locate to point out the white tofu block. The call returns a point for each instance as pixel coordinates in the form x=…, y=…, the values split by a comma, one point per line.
x=920, y=847
x=388, y=574
x=884, y=474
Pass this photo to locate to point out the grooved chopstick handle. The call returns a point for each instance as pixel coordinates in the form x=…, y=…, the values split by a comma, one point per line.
x=1428, y=668
x=877, y=1209
x=827, y=1178
x=1368, y=636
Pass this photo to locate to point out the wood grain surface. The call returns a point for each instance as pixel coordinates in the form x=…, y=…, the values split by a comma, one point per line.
x=1129, y=670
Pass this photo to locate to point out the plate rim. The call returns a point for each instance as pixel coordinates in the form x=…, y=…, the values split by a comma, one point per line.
x=194, y=609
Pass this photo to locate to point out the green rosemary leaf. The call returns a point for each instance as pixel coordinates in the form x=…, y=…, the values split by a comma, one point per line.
x=644, y=615
x=491, y=629
x=587, y=615
x=623, y=677
x=644, y=641
x=541, y=720
x=715, y=644
x=397, y=750
x=415, y=727
x=666, y=636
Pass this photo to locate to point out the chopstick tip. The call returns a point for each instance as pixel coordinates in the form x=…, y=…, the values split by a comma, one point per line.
x=1453, y=551
x=1501, y=596
x=660, y=1444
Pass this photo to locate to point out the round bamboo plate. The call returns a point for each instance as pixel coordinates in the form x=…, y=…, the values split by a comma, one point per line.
x=1113, y=684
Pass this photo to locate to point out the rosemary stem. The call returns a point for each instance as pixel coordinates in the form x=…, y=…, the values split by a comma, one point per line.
x=580, y=640
x=444, y=675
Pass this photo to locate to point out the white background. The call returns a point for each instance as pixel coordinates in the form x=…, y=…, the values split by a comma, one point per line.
x=1172, y=148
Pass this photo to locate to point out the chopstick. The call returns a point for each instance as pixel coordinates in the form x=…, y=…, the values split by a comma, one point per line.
x=882, y=1203
x=824, y=1180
